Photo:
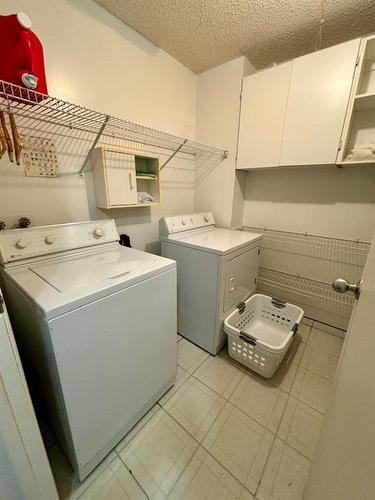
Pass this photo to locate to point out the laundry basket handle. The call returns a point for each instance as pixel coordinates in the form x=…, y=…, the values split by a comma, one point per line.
x=279, y=303
x=249, y=339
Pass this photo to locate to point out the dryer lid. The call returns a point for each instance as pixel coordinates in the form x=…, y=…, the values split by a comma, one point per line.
x=215, y=240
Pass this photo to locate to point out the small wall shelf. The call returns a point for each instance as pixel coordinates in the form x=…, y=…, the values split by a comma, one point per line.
x=35, y=111
x=122, y=179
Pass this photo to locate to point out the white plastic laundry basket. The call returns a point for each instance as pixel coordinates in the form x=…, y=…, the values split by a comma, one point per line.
x=260, y=332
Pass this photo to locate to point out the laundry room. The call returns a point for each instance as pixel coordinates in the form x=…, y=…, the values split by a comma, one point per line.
x=187, y=253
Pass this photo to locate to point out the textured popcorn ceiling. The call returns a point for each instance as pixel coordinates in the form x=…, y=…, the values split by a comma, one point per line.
x=204, y=33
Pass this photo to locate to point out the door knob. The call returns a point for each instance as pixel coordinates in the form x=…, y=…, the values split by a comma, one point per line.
x=340, y=285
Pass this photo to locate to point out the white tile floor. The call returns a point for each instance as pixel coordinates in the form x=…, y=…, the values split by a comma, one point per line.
x=221, y=432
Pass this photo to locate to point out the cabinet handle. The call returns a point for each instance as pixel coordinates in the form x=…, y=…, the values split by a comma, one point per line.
x=231, y=284
x=131, y=180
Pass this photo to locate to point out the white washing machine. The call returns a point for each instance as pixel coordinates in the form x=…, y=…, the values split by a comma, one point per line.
x=96, y=325
x=216, y=270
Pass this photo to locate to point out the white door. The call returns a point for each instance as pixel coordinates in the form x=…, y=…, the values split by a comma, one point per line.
x=344, y=464
x=121, y=180
x=24, y=469
x=318, y=97
x=240, y=278
x=263, y=106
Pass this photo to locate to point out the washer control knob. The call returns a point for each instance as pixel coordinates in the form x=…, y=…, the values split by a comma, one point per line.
x=21, y=244
x=98, y=232
x=183, y=222
x=206, y=218
x=49, y=240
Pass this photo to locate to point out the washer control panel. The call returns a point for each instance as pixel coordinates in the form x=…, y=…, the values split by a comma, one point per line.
x=18, y=244
x=179, y=223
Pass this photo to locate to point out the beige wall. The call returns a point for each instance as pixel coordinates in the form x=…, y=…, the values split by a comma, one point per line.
x=95, y=60
x=218, y=108
x=329, y=201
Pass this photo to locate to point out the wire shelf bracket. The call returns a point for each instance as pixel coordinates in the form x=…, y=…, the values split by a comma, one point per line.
x=174, y=154
x=98, y=135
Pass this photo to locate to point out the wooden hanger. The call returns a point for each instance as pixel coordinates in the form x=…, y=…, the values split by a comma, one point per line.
x=7, y=136
x=17, y=143
x=3, y=143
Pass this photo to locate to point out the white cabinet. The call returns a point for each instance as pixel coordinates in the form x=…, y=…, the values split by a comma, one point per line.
x=120, y=176
x=293, y=114
x=263, y=106
x=318, y=97
x=114, y=178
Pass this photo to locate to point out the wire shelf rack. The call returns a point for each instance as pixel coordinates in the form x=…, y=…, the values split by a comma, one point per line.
x=300, y=268
x=316, y=257
x=318, y=299
x=35, y=111
x=324, y=246
x=312, y=289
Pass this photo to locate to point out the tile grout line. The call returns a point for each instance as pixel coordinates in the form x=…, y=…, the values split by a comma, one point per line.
x=201, y=444
x=130, y=472
x=278, y=428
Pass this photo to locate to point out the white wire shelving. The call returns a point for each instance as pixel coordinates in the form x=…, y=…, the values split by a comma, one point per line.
x=318, y=300
x=312, y=256
x=35, y=111
x=300, y=267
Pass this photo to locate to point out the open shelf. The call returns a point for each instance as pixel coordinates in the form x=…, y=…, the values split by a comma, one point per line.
x=364, y=101
x=355, y=162
x=138, y=205
x=34, y=111
x=358, y=137
x=145, y=178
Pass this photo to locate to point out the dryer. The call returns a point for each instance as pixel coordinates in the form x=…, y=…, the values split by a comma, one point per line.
x=216, y=270
x=96, y=325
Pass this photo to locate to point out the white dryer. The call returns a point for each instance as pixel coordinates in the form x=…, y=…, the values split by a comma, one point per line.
x=96, y=324
x=216, y=269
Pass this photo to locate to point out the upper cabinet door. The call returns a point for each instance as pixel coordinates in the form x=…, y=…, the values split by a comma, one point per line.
x=121, y=181
x=263, y=105
x=318, y=97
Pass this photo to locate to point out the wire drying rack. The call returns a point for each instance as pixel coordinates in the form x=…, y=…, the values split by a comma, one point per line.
x=318, y=300
x=316, y=257
x=35, y=111
x=300, y=268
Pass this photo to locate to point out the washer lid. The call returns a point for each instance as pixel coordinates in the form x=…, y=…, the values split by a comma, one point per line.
x=80, y=271
x=215, y=240
x=65, y=283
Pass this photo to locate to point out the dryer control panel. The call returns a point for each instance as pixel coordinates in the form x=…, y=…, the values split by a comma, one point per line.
x=180, y=223
x=19, y=244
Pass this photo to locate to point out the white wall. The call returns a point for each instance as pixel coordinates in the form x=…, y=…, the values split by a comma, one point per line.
x=329, y=201
x=95, y=60
x=218, y=108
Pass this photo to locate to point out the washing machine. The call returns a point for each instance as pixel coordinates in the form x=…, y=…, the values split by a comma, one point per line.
x=96, y=326
x=216, y=270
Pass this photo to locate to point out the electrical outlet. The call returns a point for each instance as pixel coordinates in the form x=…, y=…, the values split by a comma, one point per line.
x=11, y=221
